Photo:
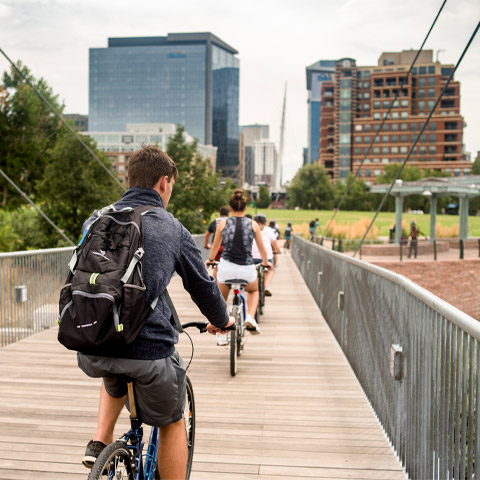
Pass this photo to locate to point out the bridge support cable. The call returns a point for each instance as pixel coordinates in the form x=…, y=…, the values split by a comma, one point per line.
x=385, y=117
x=424, y=125
x=60, y=117
x=25, y=196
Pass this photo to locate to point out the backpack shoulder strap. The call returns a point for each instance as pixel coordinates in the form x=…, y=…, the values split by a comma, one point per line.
x=173, y=311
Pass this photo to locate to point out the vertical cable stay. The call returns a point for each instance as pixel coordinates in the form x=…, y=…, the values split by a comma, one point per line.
x=424, y=125
x=385, y=116
x=60, y=117
x=24, y=195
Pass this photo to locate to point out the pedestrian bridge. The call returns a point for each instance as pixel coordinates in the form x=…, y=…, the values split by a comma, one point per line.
x=301, y=403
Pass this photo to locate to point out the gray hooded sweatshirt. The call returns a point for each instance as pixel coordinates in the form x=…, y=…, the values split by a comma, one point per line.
x=169, y=247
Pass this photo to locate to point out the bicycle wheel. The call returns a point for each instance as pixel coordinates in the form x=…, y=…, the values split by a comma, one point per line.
x=261, y=294
x=190, y=425
x=240, y=330
x=115, y=461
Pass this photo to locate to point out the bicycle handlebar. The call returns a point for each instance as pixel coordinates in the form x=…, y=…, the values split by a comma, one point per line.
x=202, y=326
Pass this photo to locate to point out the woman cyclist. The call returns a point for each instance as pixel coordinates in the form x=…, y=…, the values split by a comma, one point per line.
x=237, y=233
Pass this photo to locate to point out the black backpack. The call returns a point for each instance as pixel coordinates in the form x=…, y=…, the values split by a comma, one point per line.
x=312, y=223
x=102, y=304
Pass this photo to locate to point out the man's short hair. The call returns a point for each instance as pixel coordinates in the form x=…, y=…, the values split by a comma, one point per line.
x=224, y=211
x=147, y=165
x=260, y=218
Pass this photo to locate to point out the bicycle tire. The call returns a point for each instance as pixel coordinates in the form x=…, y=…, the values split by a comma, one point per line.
x=233, y=353
x=118, y=457
x=240, y=333
x=261, y=293
x=190, y=426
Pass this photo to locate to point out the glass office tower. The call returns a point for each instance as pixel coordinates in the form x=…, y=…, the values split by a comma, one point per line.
x=317, y=73
x=186, y=78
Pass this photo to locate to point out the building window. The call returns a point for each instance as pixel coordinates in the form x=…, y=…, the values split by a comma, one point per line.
x=431, y=81
x=376, y=173
x=413, y=127
x=358, y=139
x=366, y=95
x=366, y=128
x=404, y=126
x=422, y=81
x=433, y=138
x=394, y=127
x=358, y=128
x=432, y=149
x=386, y=104
x=431, y=69
x=403, y=149
x=431, y=92
x=376, y=116
x=376, y=104
x=404, y=103
x=421, y=105
x=433, y=125
x=385, y=150
x=345, y=138
x=394, y=138
x=358, y=151
x=403, y=138
x=385, y=138
x=366, y=139
x=395, y=115
x=431, y=104
x=366, y=106
x=395, y=150
x=404, y=115
x=376, y=151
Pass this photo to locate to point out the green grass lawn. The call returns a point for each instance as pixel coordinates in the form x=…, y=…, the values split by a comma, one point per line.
x=384, y=221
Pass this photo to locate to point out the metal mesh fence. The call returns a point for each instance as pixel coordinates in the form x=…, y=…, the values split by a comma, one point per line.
x=415, y=356
x=30, y=282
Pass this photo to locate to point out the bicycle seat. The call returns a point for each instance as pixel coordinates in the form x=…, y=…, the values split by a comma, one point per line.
x=236, y=281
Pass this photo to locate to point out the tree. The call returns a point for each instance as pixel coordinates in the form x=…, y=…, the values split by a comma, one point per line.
x=28, y=129
x=198, y=192
x=311, y=189
x=73, y=185
x=476, y=165
x=264, y=199
x=358, y=196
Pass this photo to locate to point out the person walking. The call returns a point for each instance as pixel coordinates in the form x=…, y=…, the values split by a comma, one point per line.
x=151, y=359
x=414, y=233
x=287, y=235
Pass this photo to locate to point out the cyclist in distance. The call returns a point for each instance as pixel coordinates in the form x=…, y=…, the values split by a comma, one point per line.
x=151, y=359
x=224, y=212
x=237, y=234
x=271, y=246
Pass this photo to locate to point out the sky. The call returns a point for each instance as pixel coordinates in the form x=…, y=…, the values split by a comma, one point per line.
x=276, y=41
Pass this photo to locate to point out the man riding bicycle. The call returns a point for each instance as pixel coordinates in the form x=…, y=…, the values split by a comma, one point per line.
x=271, y=246
x=152, y=360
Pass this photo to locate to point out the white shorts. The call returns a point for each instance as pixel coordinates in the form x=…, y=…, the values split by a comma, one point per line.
x=230, y=271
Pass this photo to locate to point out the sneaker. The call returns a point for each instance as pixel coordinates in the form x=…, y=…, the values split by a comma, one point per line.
x=251, y=325
x=92, y=452
x=268, y=292
x=222, y=339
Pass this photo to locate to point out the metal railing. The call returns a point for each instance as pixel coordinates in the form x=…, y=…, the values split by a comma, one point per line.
x=416, y=357
x=30, y=282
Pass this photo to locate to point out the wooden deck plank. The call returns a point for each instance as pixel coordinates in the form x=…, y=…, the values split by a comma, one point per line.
x=294, y=410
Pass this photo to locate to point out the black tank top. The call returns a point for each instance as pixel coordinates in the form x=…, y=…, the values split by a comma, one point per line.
x=238, y=239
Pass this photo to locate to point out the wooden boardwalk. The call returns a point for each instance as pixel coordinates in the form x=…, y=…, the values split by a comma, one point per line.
x=294, y=410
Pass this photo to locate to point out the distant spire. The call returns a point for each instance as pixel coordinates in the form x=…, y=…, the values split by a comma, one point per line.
x=282, y=135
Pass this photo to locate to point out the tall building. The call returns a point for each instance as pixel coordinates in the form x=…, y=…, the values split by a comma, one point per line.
x=356, y=100
x=249, y=134
x=186, y=78
x=317, y=73
x=267, y=169
x=118, y=146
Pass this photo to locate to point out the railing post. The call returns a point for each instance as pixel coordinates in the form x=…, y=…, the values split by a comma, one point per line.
x=340, y=245
x=434, y=249
x=461, y=249
x=333, y=244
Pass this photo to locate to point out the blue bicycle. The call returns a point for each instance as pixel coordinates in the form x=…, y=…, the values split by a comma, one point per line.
x=124, y=459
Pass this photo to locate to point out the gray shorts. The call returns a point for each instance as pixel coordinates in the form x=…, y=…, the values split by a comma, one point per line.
x=159, y=384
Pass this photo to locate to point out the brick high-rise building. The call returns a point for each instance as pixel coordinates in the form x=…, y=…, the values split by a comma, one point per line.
x=356, y=100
